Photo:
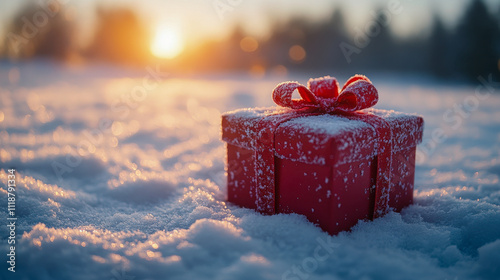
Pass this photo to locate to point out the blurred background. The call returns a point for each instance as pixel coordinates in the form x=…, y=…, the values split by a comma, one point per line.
x=454, y=40
x=110, y=112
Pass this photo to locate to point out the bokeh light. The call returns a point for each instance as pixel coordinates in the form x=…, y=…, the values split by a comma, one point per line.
x=297, y=53
x=249, y=44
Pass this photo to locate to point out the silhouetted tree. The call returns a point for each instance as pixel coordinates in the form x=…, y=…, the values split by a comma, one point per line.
x=339, y=35
x=477, y=37
x=439, y=48
x=498, y=38
x=378, y=54
x=322, y=43
x=40, y=30
x=230, y=55
x=120, y=37
x=283, y=37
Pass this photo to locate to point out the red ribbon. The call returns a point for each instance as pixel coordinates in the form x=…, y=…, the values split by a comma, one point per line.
x=323, y=93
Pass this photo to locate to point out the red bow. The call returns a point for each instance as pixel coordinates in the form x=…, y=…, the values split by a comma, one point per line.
x=323, y=93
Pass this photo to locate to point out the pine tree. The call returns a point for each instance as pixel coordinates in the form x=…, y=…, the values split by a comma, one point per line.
x=380, y=50
x=439, y=49
x=477, y=36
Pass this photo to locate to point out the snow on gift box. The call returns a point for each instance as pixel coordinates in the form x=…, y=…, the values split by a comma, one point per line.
x=327, y=156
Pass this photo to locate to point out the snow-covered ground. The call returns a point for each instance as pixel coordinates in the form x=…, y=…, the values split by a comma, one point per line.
x=122, y=177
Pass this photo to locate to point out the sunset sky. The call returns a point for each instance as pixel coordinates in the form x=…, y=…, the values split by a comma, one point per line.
x=198, y=19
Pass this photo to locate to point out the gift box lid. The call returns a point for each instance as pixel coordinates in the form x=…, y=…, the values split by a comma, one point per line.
x=321, y=138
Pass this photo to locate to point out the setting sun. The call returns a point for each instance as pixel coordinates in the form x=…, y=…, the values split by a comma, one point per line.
x=167, y=43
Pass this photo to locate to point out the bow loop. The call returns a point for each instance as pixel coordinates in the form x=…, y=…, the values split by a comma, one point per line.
x=357, y=96
x=325, y=87
x=323, y=93
x=282, y=95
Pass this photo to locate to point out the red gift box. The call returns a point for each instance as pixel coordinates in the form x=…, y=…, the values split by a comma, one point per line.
x=326, y=157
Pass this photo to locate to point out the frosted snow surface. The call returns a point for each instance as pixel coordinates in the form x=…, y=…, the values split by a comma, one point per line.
x=139, y=188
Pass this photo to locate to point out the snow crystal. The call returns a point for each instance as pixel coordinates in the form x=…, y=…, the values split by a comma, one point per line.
x=148, y=198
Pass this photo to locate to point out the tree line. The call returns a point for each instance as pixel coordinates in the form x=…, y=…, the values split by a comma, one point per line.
x=469, y=49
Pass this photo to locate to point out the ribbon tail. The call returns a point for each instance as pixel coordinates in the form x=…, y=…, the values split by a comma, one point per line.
x=383, y=181
x=266, y=200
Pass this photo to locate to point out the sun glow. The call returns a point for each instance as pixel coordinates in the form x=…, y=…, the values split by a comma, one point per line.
x=167, y=43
